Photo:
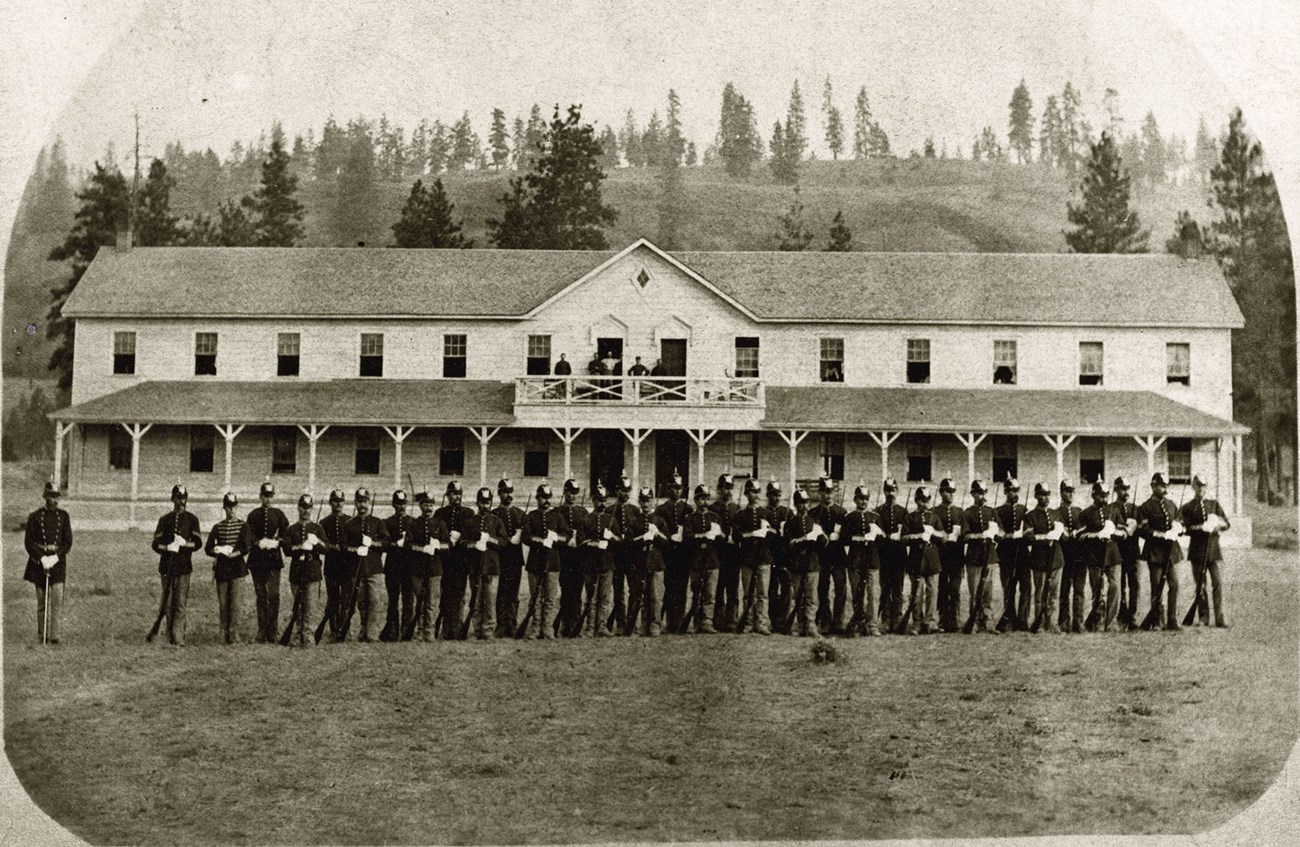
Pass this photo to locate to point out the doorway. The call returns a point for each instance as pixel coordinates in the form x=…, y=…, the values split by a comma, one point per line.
x=672, y=359
x=672, y=453
x=606, y=457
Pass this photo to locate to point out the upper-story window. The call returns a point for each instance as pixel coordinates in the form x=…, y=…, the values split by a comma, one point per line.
x=746, y=357
x=287, y=346
x=1178, y=367
x=372, y=354
x=205, y=354
x=539, y=355
x=1004, y=363
x=1090, y=362
x=124, y=352
x=832, y=360
x=918, y=360
x=454, y=350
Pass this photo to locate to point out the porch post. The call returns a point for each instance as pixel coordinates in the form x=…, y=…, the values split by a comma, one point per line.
x=60, y=431
x=1237, y=475
x=1150, y=444
x=137, y=432
x=484, y=434
x=636, y=436
x=313, y=433
x=398, y=433
x=1059, y=443
x=700, y=437
x=885, y=439
x=971, y=440
x=228, y=432
x=794, y=438
x=567, y=437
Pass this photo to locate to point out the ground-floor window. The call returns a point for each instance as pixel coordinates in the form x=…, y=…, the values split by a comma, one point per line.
x=201, y=439
x=833, y=455
x=451, y=453
x=744, y=454
x=919, y=451
x=1179, y=454
x=367, y=452
x=119, y=449
x=1092, y=460
x=537, y=454
x=1005, y=459
x=284, y=451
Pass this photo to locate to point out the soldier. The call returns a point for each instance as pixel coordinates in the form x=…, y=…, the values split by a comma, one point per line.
x=677, y=563
x=267, y=525
x=1074, y=576
x=779, y=585
x=549, y=536
x=454, y=573
x=366, y=538
x=598, y=570
x=1204, y=520
x=1158, y=525
x=700, y=535
x=893, y=556
x=482, y=535
x=831, y=561
x=726, y=606
x=626, y=522
x=1013, y=558
x=1100, y=557
x=304, y=542
x=981, y=531
x=47, y=539
x=1125, y=517
x=397, y=577
x=1043, y=531
x=175, y=539
x=920, y=530
x=862, y=529
x=429, y=538
x=803, y=536
x=512, y=559
x=572, y=559
x=952, y=527
x=652, y=541
x=338, y=564
x=228, y=544
x=751, y=528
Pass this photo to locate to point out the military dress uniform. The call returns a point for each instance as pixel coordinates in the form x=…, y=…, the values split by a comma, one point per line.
x=751, y=528
x=598, y=571
x=951, y=520
x=1101, y=558
x=340, y=568
x=305, y=544
x=863, y=569
x=427, y=531
x=512, y=564
x=1046, y=561
x=455, y=602
x=805, y=564
x=779, y=584
x=832, y=613
x=893, y=558
x=726, y=599
x=981, y=558
x=175, y=566
x=397, y=574
x=627, y=522
x=572, y=560
x=1013, y=567
x=704, y=566
x=369, y=560
x=1074, y=575
x=549, y=533
x=924, y=568
x=652, y=568
x=48, y=532
x=1205, y=554
x=267, y=525
x=1125, y=514
x=1155, y=516
x=677, y=564
x=228, y=544
x=482, y=536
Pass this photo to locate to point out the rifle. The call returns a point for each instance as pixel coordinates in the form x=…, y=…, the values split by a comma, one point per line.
x=162, y=606
x=749, y=599
x=1152, y=619
x=1125, y=621
x=475, y=585
x=697, y=605
x=293, y=618
x=1201, y=587
x=522, y=630
x=978, y=612
x=911, y=604
x=352, y=602
x=421, y=603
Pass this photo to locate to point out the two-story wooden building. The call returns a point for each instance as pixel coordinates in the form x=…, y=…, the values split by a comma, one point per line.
x=326, y=368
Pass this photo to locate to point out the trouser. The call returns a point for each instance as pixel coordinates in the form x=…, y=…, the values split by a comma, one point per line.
x=864, y=585
x=1013, y=574
x=635, y=576
x=925, y=609
x=370, y=594
x=754, y=583
x=1068, y=575
x=653, y=593
x=1110, y=609
x=454, y=599
x=618, y=583
x=430, y=588
x=512, y=568
x=401, y=596
x=54, y=597
x=177, y=601
x=266, y=587
x=981, y=600
x=1046, y=586
x=891, y=593
x=228, y=609
x=484, y=618
x=832, y=609
x=1214, y=593
x=301, y=634
x=1170, y=574
x=570, y=588
x=805, y=599
x=725, y=601
x=335, y=592
x=704, y=585
x=676, y=576
x=1132, y=586
x=950, y=592
x=600, y=588
x=546, y=589
x=778, y=594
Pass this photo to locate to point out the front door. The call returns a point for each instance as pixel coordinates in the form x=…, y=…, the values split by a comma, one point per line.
x=672, y=453
x=606, y=457
x=672, y=355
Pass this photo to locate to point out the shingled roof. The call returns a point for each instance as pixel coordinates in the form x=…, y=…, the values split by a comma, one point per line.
x=1047, y=288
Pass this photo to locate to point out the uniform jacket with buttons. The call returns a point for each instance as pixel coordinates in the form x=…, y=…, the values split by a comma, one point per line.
x=453, y=516
x=185, y=526
x=1155, y=516
x=304, y=565
x=949, y=516
x=374, y=528
x=596, y=560
x=980, y=551
x=337, y=564
x=1071, y=549
x=512, y=521
x=1043, y=555
x=777, y=516
x=480, y=526
x=863, y=555
x=575, y=518
x=922, y=556
x=803, y=557
x=704, y=552
x=423, y=532
x=395, y=558
x=1121, y=514
x=47, y=526
x=231, y=533
x=627, y=521
x=652, y=552
x=1204, y=546
x=1011, y=518
x=754, y=552
x=1097, y=552
x=266, y=522
x=537, y=523
x=829, y=516
x=892, y=517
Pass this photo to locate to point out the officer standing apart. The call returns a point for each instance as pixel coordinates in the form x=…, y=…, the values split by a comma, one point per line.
x=366, y=538
x=751, y=528
x=981, y=533
x=397, y=576
x=175, y=539
x=228, y=544
x=512, y=559
x=1158, y=525
x=267, y=525
x=47, y=539
x=1204, y=520
x=1013, y=560
x=429, y=538
x=304, y=542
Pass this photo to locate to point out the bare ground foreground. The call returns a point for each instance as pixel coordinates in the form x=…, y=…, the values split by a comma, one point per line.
x=679, y=738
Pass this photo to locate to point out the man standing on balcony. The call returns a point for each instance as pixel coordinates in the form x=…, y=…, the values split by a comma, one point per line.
x=562, y=367
x=512, y=560
x=628, y=522
x=677, y=564
x=893, y=557
x=397, y=576
x=831, y=619
x=454, y=573
x=267, y=525
x=726, y=604
x=571, y=560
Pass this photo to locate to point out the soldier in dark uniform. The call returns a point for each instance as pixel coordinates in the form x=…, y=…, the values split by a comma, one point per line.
x=397, y=576
x=228, y=544
x=653, y=542
x=1100, y=556
x=482, y=536
x=893, y=556
x=267, y=525
x=750, y=528
x=726, y=602
x=175, y=539
x=47, y=540
x=951, y=524
x=981, y=532
x=1204, y=520
x=677, y=564
x=1074, y=576
x=1013, y=558
x=832, y=619
x=598, y=568
x=512, y=559
x=1126, y=524
x=862, y=531
x=572, y=558
x=454, y=572
x=700, y=535
x=429, y=539
x=1157, y=524
x=1043, y=532
x=920, y=532
x=549, y=535
x=305, y=543
x=779, y=592
x=366, y=538
x=626, y=522
x=804, y=536
x=339, y=566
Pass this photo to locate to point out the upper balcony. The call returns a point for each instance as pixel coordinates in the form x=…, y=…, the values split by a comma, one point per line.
x=647, y=401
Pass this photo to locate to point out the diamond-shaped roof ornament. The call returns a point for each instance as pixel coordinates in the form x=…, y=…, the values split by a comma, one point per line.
x=643, y=278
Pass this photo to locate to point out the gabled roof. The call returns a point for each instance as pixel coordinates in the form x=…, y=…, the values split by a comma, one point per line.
x=960, y=288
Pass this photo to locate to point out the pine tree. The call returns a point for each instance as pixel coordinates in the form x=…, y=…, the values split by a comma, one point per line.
x=796, y=126
x=1049, y=134
x=991, y=147
x=1021, y=134
x=356, y=202
x=233, y=227
x=439, y=148
x=275, y=211
x=1113, y=116
x=1154, y=152
x=1207, y=152
x=417, y=152
x=672, y=192
x=794, y=234
x=1103, y=222
x=692, y=157
x=535, y=130
x=841, y=239
x=1071, y=133
x=520, y=141
x=862, y=125
x=427, y=220
x=630, y=140
x=834, y=123
x=739, y=145
x=879, y=143
x=1187, y=241
x=928, y=150
x=784, y=162
x=652, y=141
x=464, y=142
x=608, y=148
x=557, y=205
x=498, y=140
x=155, y=225
x=331, y=151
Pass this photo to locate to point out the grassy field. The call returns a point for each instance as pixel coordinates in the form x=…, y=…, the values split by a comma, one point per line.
x=679, y=738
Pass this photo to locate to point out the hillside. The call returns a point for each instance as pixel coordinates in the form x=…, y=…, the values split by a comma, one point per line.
x=903, y=205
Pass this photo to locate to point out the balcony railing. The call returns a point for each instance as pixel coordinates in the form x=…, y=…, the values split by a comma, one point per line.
x=637, y=391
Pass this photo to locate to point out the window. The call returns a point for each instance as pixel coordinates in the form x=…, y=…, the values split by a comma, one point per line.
x=205, y=354
x=832, y=360
x=201, y=449
x=918, y=458
x=367, y=458
x=1179, y=367
x=1178, y=451
x=286, y=353
x=537, y=453
x=744, y=454
x=451, y=455
x=833, y=455
x=372, y=354
x=1004, y=363
x=119, y=449
x=918, y=360
x=284, y=450
x=453, y=356
x=1005, y=457
x=539, y=355
x=1090, y=362
x=1092, y=459
x=124, y=352
x=746, y=357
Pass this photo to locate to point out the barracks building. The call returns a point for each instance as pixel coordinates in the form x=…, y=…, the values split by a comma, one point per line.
x=386, y=368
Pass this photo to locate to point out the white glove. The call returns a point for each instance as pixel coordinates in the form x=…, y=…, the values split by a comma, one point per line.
x=518, y=537
x=363, y=551
x=175, y=545
x=546, y=540
x=481, y=544
x=677, y=536
x=1132, y=525
x=860, y=538
x=551, y=537
x=1213, y=523
x=991, y=532
x=1173, y=532
x=602, y=544
x=607, y=535
x=306, y=544
x=835, y=533
x=312, y=539
x=367, y=541
x=573, y=540
x=50, y=561
x=401, y=540
x=896, y=535
x=764, y=527
x=929, y=532
x=1020, y=533
x=1058, y=530
x=227, y=550
x=455, y=536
